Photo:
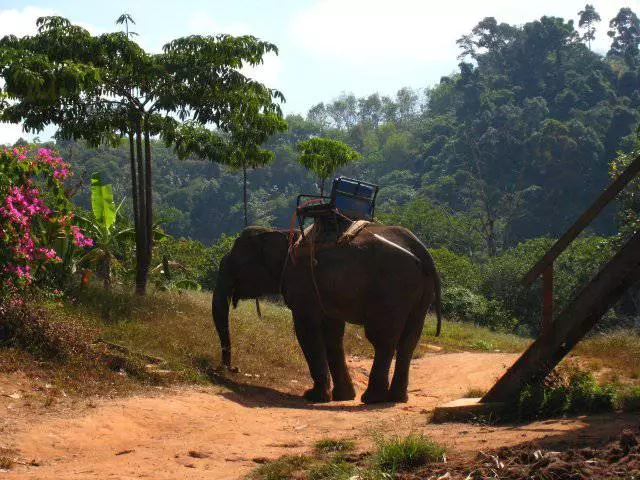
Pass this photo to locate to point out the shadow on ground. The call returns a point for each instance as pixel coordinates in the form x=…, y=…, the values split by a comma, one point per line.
x=256, y=396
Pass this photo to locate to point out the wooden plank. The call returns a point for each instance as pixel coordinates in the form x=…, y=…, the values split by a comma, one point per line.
x=620, y=273
x=603, y=200
x=547, y=300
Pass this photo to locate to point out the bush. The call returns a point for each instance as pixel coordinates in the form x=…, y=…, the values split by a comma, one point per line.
x=579, y=393
x=460, y=303
x=455, y=269
x=209, y=275
x=401, y=454
x=574, y=268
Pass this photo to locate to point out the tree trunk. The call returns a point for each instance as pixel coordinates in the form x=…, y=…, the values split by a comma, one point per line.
x=244, y=193
x=142, y=261
x=148, y=193
x=322, y=186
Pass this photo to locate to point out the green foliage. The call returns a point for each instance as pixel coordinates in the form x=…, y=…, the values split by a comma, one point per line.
x=456, y=270
x=322, y=156
x=580, y=393
x=572, y=271
x=102, y=206
x=217, y=251
x=405, y=454
x=432, y=224
x=330, y=445
x=460, y=303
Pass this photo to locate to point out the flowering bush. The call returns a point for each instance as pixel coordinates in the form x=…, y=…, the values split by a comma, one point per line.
x=34, y=212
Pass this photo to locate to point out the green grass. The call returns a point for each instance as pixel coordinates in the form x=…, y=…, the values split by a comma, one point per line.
x=328, y=462
x=466, y=336
x=404, y=454
x=281, y=469
x=330, y=445
x=335, y=470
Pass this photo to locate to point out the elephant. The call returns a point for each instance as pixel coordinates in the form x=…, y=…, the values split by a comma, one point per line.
x=384, y=279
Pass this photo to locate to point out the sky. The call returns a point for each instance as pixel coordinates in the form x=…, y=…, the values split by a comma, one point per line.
x=326, y=47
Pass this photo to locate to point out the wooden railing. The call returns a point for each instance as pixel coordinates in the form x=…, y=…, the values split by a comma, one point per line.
x=544, y=266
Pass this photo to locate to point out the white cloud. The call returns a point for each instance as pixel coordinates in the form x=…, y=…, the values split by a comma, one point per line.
x=364, y=32
x=22, y=22
x=9, y=133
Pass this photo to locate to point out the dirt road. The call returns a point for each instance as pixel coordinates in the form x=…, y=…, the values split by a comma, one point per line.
x=227, y=430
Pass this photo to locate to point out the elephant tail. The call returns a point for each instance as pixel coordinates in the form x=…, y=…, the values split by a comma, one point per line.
x=438, y=304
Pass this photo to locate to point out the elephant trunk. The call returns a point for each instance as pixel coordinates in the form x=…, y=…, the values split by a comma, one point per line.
x=438, y=305
x=220, y=311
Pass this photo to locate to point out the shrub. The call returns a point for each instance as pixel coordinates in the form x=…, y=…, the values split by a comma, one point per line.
x=35, y=215
x=559, y=395
x=455, y=269
x=398, y=454
x=209, y=274
x=573, y=269
x=460, y=303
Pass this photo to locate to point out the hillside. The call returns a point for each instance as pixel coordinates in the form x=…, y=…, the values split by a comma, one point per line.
x=527, y=125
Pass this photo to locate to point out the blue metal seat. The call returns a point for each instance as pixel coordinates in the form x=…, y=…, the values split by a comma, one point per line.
x=350, y=198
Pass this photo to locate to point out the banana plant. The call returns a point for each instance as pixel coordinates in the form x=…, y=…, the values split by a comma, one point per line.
x=109, y=232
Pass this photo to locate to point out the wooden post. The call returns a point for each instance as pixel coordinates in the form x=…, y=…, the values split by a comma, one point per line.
x=547, y=300
x=572, y=324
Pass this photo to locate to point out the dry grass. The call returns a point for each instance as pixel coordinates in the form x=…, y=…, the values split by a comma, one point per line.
x=617, y=351
x=178, y=328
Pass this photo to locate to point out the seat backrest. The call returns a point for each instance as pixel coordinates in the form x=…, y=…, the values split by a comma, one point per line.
x=353, y=198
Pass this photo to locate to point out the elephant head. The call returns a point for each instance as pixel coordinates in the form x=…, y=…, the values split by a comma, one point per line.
x=251, y=269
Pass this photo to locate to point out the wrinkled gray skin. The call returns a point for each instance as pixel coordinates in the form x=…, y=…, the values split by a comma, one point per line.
x=368, y=282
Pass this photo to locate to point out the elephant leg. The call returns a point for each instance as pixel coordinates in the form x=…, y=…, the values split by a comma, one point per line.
x=406, y=346
x=333, y=333
x=309, y=334
x=384, y=344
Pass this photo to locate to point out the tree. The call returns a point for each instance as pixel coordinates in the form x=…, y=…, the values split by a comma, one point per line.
x=101, y=88
x=322, y=156
x=126, y=19
x=625, y=34
x=588, y=18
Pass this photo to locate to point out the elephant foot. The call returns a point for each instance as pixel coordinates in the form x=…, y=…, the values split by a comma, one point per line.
x=398, y=397
x=317, y=395
x=373, y=396
x=343, y=393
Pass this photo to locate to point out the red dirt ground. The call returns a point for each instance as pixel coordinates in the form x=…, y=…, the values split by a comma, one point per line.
x=220, y=432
